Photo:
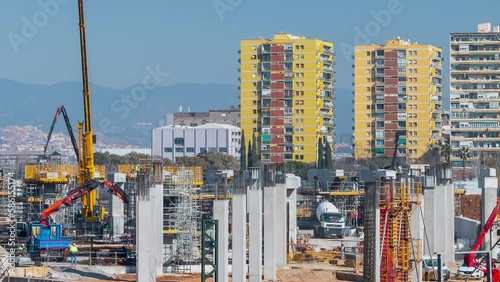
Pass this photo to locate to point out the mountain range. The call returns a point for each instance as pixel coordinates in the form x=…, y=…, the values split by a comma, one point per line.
x=126, y=116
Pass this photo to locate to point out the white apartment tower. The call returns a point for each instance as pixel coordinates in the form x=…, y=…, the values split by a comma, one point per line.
x=474, y=92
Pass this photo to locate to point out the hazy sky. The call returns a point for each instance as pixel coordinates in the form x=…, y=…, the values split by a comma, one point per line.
x=197, y=41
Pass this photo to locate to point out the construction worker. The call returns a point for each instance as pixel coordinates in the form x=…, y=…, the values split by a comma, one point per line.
x=136, y=168
x=22, y=250
x=72, y=251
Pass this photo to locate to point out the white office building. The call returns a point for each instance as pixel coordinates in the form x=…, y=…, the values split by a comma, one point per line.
x=173, y=141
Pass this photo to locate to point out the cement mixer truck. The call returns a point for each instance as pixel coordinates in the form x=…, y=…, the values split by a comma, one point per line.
x=329, y=221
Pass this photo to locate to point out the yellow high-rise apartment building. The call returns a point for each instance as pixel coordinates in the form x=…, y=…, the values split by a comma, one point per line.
x=397, y=87
x=287, y=96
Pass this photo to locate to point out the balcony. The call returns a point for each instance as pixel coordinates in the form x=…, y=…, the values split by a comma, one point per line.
x=327, y=68
x=328, y=86
x=325, y=114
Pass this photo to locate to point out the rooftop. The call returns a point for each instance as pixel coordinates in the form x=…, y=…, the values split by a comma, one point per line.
x=206, y=126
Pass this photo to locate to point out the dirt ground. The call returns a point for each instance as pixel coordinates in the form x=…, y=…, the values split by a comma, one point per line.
x=303, y=274
x=470, y=206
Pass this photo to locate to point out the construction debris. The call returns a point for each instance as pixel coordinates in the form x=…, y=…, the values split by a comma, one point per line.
x=470, y=206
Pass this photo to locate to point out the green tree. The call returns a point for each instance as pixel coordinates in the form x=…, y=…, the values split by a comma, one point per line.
x=445, y=151
x=328, y=156
x=250, y=155
x=192, y=161
x=255, y=157
x=243, y=152
x=321, y=155
x=298, y=168
x=219, y=161
x=464, y=155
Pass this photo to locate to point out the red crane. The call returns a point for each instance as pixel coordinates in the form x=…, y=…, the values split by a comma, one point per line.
x=470, y=258
x=80, y=192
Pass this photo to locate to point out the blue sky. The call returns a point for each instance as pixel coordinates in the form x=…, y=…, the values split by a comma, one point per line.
x=194, y=43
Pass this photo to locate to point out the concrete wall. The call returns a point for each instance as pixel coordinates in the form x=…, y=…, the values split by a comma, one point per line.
x=439, y=209
x=182, y=141
x=292, y=184
x=466, y=228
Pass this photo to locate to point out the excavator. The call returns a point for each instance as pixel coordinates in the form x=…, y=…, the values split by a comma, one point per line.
x=470, y=259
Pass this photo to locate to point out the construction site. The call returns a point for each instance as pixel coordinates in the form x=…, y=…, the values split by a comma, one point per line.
x=149, y=221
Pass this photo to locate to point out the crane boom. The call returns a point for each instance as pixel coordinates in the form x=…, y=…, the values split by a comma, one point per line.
x=470, y=258
x=79, y=192
x=59, y=111
x=87, y=167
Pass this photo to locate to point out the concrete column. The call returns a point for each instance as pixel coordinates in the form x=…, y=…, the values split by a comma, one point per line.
x=293, y=183
x=117, y=207
x=270, y=227
x=489, y=200
x=145, y=272
x=157, y=227
x=239, y=242
x=281, y=226
x=449, y=255
x=221, y=213
x=255, y=232
x=429, y=220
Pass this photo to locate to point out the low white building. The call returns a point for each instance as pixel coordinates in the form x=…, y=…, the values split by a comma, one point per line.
x=173, y=141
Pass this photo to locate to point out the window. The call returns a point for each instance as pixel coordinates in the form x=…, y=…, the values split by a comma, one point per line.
x=367, y=107
x=193, y=124
x=368, y=89
x=414, y=62
x=368, y=98
x=368, y=53
x=203, y=150
x=167, y=150
x=255, y=93
x=179, y=141
x=254, y=65
x=179, y=150
x=368, y=62
x=190, y=150
x=223, y=150
x=367, y=80
x=212, y=149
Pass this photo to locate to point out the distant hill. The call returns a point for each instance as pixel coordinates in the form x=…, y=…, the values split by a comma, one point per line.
x=117, y=115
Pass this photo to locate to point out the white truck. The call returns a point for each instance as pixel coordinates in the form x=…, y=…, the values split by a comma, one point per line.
x=329, y=221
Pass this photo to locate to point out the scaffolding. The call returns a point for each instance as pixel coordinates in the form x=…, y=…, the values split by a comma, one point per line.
x=182, y=216
x=398, y=201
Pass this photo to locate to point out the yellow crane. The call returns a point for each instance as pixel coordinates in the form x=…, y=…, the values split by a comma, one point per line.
x=86, y=137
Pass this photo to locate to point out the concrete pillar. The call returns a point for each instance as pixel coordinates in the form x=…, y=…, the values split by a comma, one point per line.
x=254, y=195
x=489, y=184
x=281, y=226
x=449, y=255
x=145, y=272
x=239, y=242
x=117, y=207
x=429, y=220
x=293, y=183
x=157, y=227
x=270, y=241
x=221, y=213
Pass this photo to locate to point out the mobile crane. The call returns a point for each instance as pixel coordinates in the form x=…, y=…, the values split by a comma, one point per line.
x=85, y=133
x=470, y=259
x=59, y=111
x=45, y=239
